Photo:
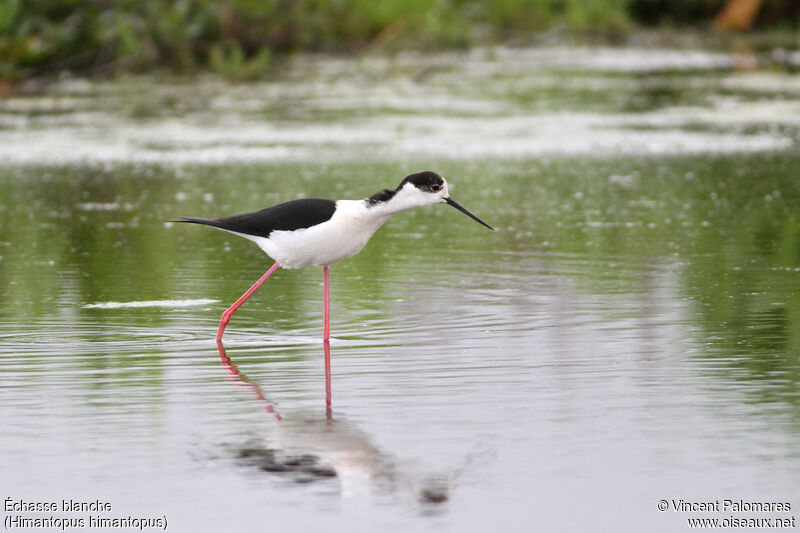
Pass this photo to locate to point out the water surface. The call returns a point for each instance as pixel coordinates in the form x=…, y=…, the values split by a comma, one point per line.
x=630, y=332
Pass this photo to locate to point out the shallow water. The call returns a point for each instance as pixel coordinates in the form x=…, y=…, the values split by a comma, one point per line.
x=630, y=333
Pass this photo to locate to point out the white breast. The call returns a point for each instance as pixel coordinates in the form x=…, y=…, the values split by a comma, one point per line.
x=345, y=234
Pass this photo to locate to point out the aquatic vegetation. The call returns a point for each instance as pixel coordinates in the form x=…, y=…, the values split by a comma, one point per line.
x=239, y=39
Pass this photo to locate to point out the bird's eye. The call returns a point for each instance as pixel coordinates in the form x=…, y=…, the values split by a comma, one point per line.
x=435, y=187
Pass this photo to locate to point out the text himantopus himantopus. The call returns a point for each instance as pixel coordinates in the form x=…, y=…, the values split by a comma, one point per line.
x=319, y=232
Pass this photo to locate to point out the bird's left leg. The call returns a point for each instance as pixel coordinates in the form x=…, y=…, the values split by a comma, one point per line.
x=226, y=316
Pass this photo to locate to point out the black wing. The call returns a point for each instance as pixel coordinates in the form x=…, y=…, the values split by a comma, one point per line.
x=288, y=216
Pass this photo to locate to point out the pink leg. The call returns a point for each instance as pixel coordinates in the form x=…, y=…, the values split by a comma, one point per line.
x=226, y=316
x=326, y=336
x=326, y=315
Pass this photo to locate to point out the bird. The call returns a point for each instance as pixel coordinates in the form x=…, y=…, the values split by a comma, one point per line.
x=320, y=232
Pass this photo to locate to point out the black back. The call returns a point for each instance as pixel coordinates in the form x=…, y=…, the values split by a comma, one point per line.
x=288, y=216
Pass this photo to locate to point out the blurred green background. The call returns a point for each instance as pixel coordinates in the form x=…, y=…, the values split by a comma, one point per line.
x=244, y=39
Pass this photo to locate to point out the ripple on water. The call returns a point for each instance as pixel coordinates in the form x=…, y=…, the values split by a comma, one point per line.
x=450, y=120
x=151, y=303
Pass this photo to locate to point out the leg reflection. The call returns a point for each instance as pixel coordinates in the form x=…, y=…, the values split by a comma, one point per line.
x=316, y=448
x=327, y=349
x=241, y=377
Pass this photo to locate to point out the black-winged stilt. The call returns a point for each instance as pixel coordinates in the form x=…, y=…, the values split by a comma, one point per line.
x=319, y=232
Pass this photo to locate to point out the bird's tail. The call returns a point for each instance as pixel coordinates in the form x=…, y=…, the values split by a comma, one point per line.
x=195, y=220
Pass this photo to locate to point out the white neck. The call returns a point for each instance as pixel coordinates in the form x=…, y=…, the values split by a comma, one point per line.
x=406, y=198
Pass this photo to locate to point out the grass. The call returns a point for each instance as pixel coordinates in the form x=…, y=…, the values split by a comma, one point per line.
x=241, y=39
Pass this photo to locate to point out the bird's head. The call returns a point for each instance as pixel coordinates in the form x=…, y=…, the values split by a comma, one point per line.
x=428, y=188
x=423, y=188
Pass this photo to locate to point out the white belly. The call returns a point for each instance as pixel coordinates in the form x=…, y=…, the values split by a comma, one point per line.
x=345, y=234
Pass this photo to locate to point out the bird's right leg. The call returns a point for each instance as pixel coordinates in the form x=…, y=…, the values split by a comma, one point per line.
x=226, y=316
x=326, y=336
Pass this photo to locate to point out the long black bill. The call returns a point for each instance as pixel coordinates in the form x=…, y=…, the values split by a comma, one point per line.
x=455, y=204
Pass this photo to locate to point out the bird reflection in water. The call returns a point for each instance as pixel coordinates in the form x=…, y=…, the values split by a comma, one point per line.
x=239, y=376
x=312, y=449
